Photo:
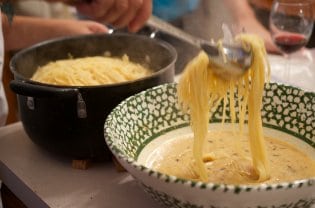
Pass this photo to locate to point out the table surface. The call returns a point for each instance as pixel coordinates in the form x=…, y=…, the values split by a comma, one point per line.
x=42, y=180
x=298, y=71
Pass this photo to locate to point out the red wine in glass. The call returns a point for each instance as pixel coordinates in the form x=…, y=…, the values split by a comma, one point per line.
x=289, y=43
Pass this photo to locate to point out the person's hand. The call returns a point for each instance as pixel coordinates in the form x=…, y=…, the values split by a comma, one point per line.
x=76, y=27
x=118, y=13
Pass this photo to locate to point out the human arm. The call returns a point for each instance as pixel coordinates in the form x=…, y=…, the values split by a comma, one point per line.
x=245, y=19
x=26, y=31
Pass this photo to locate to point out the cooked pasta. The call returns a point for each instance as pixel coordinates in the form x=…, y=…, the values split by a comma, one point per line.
x=97, y=70
x=200, y=91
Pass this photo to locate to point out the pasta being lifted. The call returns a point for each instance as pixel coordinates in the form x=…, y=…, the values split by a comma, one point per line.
x=97, y=70
x=200, y=90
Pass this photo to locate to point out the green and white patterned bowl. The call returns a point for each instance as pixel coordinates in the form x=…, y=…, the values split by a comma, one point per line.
x=154, y=115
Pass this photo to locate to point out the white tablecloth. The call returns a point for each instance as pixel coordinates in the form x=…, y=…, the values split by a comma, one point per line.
x=298, y=70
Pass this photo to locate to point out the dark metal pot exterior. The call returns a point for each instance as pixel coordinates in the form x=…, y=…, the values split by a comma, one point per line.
x=70, y=120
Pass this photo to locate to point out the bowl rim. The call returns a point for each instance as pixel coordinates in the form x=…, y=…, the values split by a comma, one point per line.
x=236, y=188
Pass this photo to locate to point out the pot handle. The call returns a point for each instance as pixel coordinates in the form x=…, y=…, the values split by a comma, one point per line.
x=39, y=91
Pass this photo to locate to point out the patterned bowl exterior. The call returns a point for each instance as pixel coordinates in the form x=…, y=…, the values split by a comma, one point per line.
x=145, y=116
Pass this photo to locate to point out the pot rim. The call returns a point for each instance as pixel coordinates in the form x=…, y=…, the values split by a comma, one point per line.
x=160, y=42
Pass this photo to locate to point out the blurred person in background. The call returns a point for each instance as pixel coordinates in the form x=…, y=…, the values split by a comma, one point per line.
x=245, y=19
x=192, y=16
x=204, y=18
x=173, y=11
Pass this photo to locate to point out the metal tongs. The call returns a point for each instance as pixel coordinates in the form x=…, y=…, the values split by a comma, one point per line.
x=231, y=60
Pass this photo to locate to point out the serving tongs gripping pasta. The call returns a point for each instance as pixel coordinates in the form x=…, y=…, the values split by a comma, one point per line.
x=232, y=59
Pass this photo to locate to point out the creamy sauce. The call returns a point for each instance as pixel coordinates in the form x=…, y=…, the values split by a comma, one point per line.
x=228, y=160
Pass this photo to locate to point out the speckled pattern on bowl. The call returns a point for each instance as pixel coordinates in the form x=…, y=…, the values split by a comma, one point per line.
x=144, y=117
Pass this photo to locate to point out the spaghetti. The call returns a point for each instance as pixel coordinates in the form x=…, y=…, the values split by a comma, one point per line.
x=97, y=70
x=200, y=91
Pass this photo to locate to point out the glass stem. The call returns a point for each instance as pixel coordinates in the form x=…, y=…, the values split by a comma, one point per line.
x=288, y=67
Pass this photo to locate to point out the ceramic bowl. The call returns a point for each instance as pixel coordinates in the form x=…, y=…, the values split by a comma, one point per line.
x=153, y=115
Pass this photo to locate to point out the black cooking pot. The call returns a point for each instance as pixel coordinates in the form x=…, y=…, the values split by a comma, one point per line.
x=70, y=120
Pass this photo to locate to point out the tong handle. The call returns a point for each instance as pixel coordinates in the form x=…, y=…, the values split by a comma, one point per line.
x=166, y=27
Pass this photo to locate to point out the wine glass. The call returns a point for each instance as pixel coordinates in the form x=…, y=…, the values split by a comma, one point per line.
x=291, y=25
